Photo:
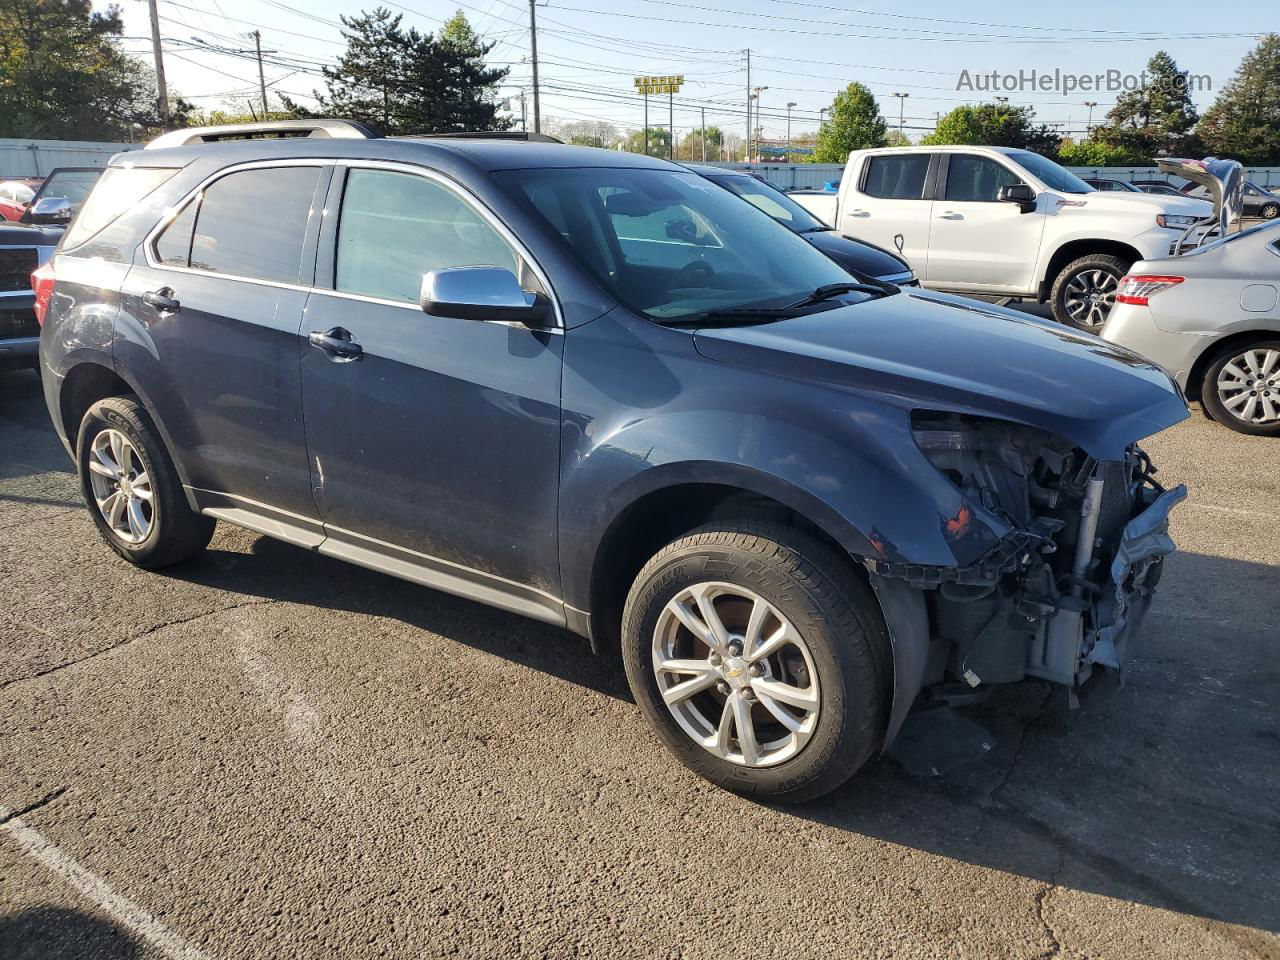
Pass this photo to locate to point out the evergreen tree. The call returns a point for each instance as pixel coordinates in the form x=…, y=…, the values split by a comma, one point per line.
x=471, y=102
x=854, y=125
x=1156, y=119
x=1244, y=122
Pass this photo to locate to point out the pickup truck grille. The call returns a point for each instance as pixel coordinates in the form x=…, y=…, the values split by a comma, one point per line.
x=16, y=264
x=18, y=323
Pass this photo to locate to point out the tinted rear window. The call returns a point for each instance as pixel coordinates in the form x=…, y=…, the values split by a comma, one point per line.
x=113, y=192
x=252, y=223
x=897, y=177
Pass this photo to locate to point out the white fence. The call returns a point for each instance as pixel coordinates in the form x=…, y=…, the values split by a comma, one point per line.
x=811, y=176
x=35, y=158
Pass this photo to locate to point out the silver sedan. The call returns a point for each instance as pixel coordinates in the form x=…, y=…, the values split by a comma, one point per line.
x=1211, y=318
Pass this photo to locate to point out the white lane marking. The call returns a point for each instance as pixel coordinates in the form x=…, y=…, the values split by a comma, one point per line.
x=120, y=908
x=1262, y=514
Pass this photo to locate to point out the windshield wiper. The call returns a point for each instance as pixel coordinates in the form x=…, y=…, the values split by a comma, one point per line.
x=829, y=290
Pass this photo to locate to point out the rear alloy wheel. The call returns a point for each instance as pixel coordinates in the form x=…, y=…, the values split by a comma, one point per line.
x=1241, y=388
x=1269, y=211
x=760, y=657
x=1085, y=291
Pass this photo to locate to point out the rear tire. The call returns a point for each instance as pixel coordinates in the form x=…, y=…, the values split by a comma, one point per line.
x=825, y=664
x=1084, y=291
x=132, y=488
x=1241, y=388
x=1269, y=211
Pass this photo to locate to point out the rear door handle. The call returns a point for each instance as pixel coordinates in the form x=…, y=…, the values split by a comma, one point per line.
x=859, y=213
x=337, y=343
x=951, y=215
x=163, y=300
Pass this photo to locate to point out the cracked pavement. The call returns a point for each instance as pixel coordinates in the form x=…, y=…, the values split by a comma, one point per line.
x=269, y=754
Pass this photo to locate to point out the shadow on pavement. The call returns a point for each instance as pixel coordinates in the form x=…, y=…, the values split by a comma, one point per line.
x=55, y=933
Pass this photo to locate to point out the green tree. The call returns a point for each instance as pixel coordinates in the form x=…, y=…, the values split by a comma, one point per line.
x=659, y=141
x=1244, y=122
x=690, y=147
x=583, y=133
x=63, y=76
x=400, y=81
x=855, y=124
x=993, y=125
x=896, y=138
x=1096, y=153
x=1156, y=119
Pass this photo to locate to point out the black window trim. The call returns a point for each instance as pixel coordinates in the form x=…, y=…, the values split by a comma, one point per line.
x=945, y=169
x=327, y=236
x=306, y=261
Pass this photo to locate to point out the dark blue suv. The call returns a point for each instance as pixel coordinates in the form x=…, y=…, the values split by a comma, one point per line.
x=600, y=391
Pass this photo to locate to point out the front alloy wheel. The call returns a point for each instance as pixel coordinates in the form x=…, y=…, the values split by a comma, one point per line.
x=736, y=675
x=1084, y=291
x=760, y=657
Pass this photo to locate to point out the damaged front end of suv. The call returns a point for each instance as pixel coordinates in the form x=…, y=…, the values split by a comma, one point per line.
x=1078, y=545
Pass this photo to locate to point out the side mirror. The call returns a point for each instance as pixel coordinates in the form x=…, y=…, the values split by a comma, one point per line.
x=1019, y=193
x=51, y=210
x=482, y=293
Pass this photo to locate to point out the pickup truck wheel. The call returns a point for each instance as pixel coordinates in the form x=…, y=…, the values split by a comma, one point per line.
x=132, y=489
x=1241, y=388
x=1084, y=291
x=759, y=658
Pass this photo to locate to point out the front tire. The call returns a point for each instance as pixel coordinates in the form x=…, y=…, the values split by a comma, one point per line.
x=1269, y=211
x=760, y=658
x=1241, y=388
x=1084, y=291
x=132, y=488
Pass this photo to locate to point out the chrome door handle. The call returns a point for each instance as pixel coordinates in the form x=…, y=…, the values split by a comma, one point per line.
x=337, y=343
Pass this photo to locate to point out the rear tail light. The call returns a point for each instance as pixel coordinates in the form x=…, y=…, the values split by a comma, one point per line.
x=1138, y=288
x=42, y=284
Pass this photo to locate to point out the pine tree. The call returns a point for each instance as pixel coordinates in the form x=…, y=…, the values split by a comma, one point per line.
x=1244, y=122
x=469, y=100
x=854, y=125
x=1156, y=119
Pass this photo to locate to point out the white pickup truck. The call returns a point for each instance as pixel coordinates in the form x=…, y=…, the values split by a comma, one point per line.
x=998, y=222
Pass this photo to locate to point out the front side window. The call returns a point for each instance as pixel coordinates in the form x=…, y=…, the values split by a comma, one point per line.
x=898, y=176
x=250, y=224
x=671, y=245
x=396, y=227
x=1052, y=175
x=974, y=179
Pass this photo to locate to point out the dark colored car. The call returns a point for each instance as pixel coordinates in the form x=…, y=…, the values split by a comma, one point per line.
x=1258, y=201
x=26, y=245
x=16, y=196
x=1159, y=187
x=863, y=260
x=1111, y=186
x=597, y=390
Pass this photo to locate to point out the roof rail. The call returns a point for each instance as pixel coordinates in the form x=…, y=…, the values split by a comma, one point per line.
x=486, y=135
x=267, y=130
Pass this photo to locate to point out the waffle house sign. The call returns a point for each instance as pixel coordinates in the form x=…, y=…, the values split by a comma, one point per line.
x=651, y=85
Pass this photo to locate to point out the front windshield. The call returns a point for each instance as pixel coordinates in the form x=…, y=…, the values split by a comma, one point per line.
x=772, y=201
x=672, y=245
x=1052, y=175
x=73, y=185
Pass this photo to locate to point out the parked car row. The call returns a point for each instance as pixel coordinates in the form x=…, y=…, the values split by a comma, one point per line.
x=603, y=391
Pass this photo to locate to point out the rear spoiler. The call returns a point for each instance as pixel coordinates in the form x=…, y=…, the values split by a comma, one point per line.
x=1225, y=181
x=267, y=130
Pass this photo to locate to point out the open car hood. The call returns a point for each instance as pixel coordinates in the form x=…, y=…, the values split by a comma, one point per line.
x=1224, y=180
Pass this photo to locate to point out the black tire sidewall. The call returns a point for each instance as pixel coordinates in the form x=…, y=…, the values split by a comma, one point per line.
x=849, y=721
x=1214, y=406
x=1057, y=297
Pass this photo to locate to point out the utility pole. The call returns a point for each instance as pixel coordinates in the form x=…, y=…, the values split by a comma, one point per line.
x=533, y=51
x=704, y=134
x=646, y=124
x=789, y=106
x=759, y=97
x=747, y=148
x=822, y=120
x=1088, y=127
x=262, y=80
x=671, y=124
x=902, y=98
x=163, y=101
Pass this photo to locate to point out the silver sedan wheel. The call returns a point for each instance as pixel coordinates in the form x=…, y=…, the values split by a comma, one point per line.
x=1249, y=386
x=121, y=486
x=1089, y=297
x=736, y=675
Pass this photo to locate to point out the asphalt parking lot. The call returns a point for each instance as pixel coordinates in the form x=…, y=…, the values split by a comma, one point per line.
x=266, y=753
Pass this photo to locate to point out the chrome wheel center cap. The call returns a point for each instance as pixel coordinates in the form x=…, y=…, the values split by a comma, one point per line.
x=736, y=672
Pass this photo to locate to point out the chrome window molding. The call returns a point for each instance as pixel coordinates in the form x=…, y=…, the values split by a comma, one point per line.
x=196, y=193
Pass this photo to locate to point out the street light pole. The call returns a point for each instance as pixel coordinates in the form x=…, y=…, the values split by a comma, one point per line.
x=758, y=99
x=704, y=134
x=789, y=106
x=1088, y=127
x=901, y=100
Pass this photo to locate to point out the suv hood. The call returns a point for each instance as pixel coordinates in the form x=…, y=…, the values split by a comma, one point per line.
x=924, y=350
x=26, y=235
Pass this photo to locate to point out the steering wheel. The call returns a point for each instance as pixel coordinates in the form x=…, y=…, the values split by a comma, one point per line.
x=694, y=273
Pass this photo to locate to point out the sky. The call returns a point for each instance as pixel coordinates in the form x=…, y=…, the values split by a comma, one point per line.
x=803, y=51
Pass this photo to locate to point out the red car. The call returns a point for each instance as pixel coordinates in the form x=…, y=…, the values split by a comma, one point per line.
x=15, y=196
